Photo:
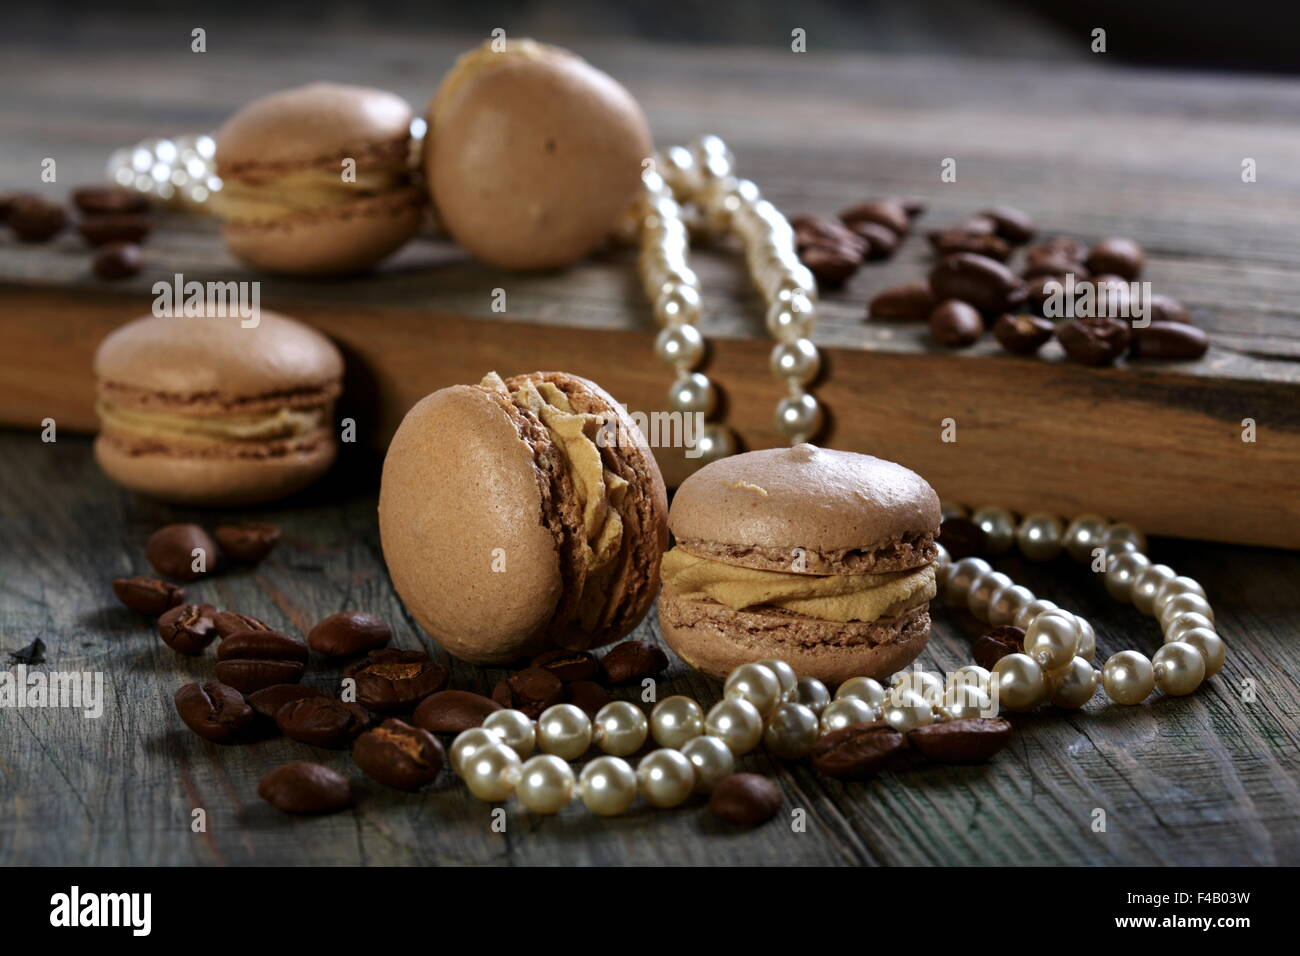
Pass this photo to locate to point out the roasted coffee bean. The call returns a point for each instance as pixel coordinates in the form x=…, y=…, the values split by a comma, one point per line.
x=247, y=543
x=1096, y=341
x=392, y=681
x=587, y=696
x=1061, y=248
x=976, y=226
x=881, y=240
x=1040, y=288
x=1165, y=308
x=568, y=666
x=956, y=324
x=181, y=550
x=962, y=538
x=1013, y=225
x=252, y=674
x=950, y=241
x=302, y=787
x=633, y=661
x=109, y=200
x=531, y=690
x=188, y=628
x=148, y=595
x=399, y=755
x=997, y=644
x=6, y=201
x=1170, y=340
x=117, y=260
x=1022, y=334
x=885, y=212
x=857, y=751
x=214, y=711
x=261, y=645
x=347, y=633
x=962, y=741
x=830, y=264
x=34, y=219
x=1122, y=257
x=232, y=622
x=452, y=711
x=268, y=701
x=812, y=231
x=745, y=799
x=101, y=230
x=985, y=283
x=1054, y=268
x=322, y=721
x=1111, y=297
x=903, y=302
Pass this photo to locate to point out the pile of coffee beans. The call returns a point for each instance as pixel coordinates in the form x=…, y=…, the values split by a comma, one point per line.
x=113, y=221
x=862, y=750
x=833, y=249
x=578, y=677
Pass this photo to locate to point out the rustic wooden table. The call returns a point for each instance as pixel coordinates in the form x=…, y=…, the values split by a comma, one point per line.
x=1213, y=779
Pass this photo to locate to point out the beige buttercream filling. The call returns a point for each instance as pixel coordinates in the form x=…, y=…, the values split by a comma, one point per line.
x=284, y=423
x=478, y=60
x=829, y=597
x=300, y=192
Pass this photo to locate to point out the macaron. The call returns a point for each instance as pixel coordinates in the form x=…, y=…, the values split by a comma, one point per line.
x=522, y=514
x=820, y=558
x=532, y=155
x=316, y=180
x=203, y=411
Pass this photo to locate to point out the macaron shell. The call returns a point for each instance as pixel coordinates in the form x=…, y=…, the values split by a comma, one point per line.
x=463, y=531
x=534, y=160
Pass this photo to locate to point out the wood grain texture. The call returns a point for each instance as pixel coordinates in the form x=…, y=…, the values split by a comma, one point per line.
x=1205, y=780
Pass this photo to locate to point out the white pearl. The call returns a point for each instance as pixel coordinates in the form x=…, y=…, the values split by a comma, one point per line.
x=999, y=527
x=970, y=675
x=1087, y=648
x=755, y=683
x=620, y=728
x=514, y=729
x=665, y=778
x=715, y=442
x=791, y=731
x=691, y=393
x=785, y=675
x=791, y=319
x=812, y=693
x=798, y=417
x=1122, y=571
x=676, y=720
x=607, y=785
x=906, y=710
x=1210, y=645
x=844, y=713
x=966, y=701
x=564, y=730
x=681, y=346
x=796, y=361
x=1187, y=621
x=1084, y=533
x=545, y=784
x=1174, y=587
x=490, y=772
x=1185, y=603
x=469, y=742
x=982, y=591
x=1019, y=682
x=712, y=759
x=1007, y=602
x=1039, y=536
x=927, y=685
x=1146, y=584
x=1031, y=611
x=1179, y=668
x=961, y=576
x=865, y=689
x=1128, y=677
x=1052, y=639
x=1074, y=684
x=736, y=722
x=1120, y=534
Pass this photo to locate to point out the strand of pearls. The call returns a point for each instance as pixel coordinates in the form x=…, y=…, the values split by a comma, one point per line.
x=696, y=187
x=179, y=169
x=1057, y=664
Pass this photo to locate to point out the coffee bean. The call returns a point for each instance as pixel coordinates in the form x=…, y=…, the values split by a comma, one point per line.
x=633, y=661
x=881, y=240
x=347, y=633
x=1013, y=225
x=262, y=645
x=118, y=260
x=268, y=701
x=247, y=543
x=976, y=226
x=1057, y=249
x=188, y=628
x=962, y=741
x=214, y=711
x=399, y=755
x=745, y=799
x=986, y=284
x=102, y=230
x=1170, y=340
x=1054, y=268
x=6, y=201
x=950, y=241
x=148, y=595
x=830, y=264
x=177, y=550
x=810, y=231
x=532, y=690
x=997, y=644
x=1111, y=296
x=1123, y=257
x=568, y=666
x=302, y=787
x=322, y=721
x=962, y=538
x=1038, y=289
x=885, y=212
x=502, y=695
x=109, y=200
x=587, y=696
x=1022, y=334
x=392, y=681
x=1095, y=341
x=253, y=674
x=1166, y=308
x=232, y=622
x=857, y=751
x=910, y=301
x=956, y=324
x=912, y=206
x=35, y=219
x=452, y=711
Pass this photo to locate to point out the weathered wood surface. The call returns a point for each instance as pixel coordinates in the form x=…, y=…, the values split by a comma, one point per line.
x=1210, y=779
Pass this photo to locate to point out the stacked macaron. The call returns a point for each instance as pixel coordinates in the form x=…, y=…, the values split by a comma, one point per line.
x=206, y=411
x=522, y=514
x=819, y=558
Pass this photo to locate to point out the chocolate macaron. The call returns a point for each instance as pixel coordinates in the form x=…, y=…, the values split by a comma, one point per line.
x=317, y=180
x=522, y=514
x=206, y=411
x=819, y=558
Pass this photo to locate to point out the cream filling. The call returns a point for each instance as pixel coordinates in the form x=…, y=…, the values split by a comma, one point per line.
x=828, y=597
x=305, y=191
x=479, y=60
x=284, y=423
